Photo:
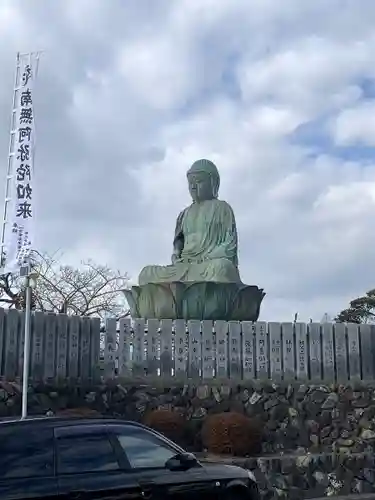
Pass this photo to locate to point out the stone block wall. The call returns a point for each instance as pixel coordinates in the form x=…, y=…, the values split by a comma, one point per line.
x=297, y=477
x=316, y=438
x=307, y=418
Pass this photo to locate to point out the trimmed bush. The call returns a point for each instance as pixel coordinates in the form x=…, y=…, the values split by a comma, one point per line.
x=232, y=433
x=169, y=423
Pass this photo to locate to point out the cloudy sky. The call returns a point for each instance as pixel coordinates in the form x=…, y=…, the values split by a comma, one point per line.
x=280, y=94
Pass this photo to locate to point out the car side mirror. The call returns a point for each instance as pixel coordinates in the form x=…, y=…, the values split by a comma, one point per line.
x=182, y=461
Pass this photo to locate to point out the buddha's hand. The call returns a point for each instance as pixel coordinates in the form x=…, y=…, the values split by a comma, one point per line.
x=176, y=258
x=215, y=255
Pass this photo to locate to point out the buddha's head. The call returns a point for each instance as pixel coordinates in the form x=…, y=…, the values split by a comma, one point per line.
x=204, y=180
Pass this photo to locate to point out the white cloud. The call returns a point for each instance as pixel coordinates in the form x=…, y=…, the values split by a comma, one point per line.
x=130, y=94
x=355, y=125
x=146, y=67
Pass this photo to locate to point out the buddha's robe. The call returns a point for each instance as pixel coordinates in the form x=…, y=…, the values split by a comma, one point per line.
x=205, y=244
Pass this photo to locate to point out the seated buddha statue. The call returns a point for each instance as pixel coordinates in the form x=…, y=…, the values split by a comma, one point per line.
x=205, y=240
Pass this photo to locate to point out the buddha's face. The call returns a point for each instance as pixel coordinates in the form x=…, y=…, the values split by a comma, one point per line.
x=200, y=186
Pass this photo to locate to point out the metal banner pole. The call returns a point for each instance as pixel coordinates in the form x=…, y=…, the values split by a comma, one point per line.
x=30, y=283
x=26, y=348
x=21, y=172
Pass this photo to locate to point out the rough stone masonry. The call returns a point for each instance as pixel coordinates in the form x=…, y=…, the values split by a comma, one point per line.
x=317, y=440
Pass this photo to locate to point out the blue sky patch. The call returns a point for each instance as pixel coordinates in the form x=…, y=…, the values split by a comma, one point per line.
x=314, y=136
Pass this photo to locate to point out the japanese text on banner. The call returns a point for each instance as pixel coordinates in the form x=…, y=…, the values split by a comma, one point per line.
x=21, y=218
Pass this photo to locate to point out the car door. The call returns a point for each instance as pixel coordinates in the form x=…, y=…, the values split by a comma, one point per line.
x=89, y=467
x=147, y=454
x=26, y=464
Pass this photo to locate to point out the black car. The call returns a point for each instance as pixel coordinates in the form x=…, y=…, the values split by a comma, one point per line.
x=84, y=459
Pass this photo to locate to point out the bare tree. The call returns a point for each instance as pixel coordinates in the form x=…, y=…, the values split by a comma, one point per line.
x=11, y=291
x=90, y=290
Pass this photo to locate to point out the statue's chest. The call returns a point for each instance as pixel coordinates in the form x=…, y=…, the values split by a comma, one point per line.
x=198, y=219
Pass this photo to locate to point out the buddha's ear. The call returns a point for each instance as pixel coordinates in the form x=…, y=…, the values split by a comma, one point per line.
x=215, y=184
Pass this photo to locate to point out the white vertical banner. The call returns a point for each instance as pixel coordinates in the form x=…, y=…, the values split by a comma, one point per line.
x=19, y=224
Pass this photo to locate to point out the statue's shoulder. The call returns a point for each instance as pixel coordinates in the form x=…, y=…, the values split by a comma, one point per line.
x=183, y=212
x=181, y=215
x=224, y=205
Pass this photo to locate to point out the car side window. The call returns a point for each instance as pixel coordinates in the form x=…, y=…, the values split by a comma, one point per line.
x=25, y=453
x=143, y=450
x=85, y=453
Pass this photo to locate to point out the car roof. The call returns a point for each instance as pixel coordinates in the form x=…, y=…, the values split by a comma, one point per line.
x=58, y=421
x=55, y=421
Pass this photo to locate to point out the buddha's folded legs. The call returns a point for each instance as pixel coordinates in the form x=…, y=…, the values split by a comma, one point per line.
x=216, y=270
x=163, y=274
